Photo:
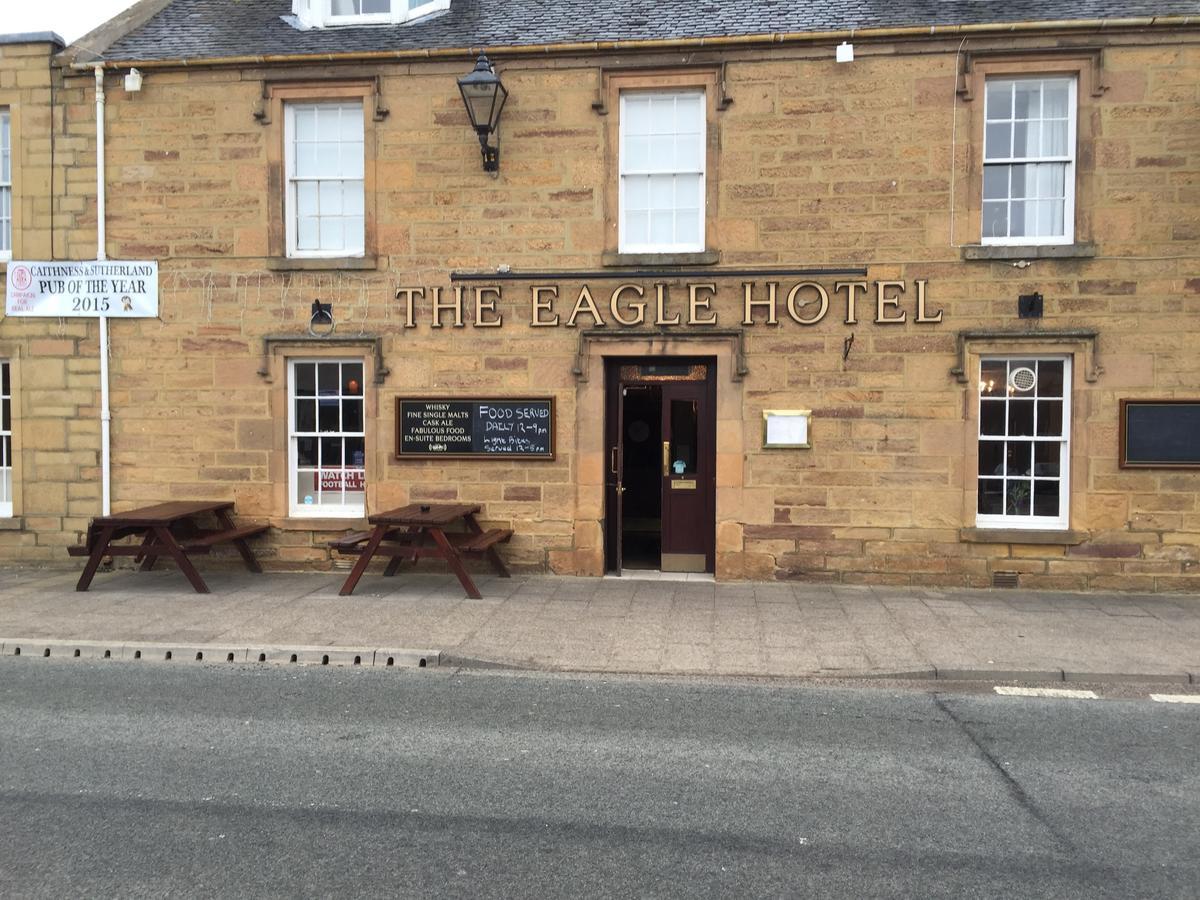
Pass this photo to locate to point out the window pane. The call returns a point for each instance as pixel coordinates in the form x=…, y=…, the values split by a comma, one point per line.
x=1016, y=220
x=662, y=227
x=306, y=379
x=1054, y=139
x=308, y=233
x=306, y=452
x=995, y=219
x=637, y=154
x=306, y=198
x=637, y=192
x=687, y=226
x=995, y=183
x=356, y=451
x=662, y=191
x=991, y=496
x=1046, y=497
x=1050, y=378
x=306, y=160
x=1018, y=496
x=1050, y=418
x=306, y=487
x=305, y=123
x=993, y=377
x=352, y=415
x=6, y=415
x=327, y=159
x=306, y=415
x=991, y=458
x=998, y=141
x=636, y=115
x=331, y=451
x=1056, y=99
x=1020, y=417
x=1018, y=458
x=331, y=234
x=352, y=378
x=1027, y=100
x=1046, y=462
x=991, y=417
x=999, y=99
x=1026, y=140
x=352, y=198
x=331, y=198
x=350, y=123
x=637, y=227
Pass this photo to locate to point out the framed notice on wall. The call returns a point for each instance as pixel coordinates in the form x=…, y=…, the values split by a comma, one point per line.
x=784, y=428
x=477, y=428
x=1160, y=434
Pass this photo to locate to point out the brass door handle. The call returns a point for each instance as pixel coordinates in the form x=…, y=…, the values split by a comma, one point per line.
x=612, y=461
x=666, y=458
x=620, y=488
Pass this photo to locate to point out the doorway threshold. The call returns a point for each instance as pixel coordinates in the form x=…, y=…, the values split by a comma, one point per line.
x=656, y=575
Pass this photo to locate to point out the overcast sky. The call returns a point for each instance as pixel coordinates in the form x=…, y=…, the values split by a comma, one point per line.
x=70, y=18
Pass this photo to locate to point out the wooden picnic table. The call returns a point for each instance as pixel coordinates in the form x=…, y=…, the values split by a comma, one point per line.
x=418, y=530
x=167, y=529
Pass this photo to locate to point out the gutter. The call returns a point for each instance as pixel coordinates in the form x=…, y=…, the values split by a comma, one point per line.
x=704, y=43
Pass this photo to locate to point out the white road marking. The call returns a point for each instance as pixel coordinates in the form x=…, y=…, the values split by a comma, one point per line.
x=1045, y=692
x=1176, y=698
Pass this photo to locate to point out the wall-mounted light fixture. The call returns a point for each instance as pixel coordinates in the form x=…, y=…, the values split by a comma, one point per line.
x=845, y=52
x=484, y=97
x=133, y=81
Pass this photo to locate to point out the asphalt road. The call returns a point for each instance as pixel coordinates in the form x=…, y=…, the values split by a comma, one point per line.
x=132, y=780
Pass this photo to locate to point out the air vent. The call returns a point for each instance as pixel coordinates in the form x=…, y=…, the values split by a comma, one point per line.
x=1004, y=579
x=1022, y=379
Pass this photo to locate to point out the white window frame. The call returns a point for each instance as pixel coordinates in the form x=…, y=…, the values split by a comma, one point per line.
x=625, y=245
x=318, y=510
x=291, y=181
x=1061, y=522
x=6, y=192
x=319, y=13
x=6, y=442
x=1067, y=159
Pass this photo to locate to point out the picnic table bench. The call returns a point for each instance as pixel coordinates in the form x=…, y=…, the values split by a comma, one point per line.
x=167, y=529
x=418, y=530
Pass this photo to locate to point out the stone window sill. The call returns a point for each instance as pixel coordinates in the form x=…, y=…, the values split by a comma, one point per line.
x=704, y=258
x=296, y=523
x=1020, y=536
x=322, y=264
x=15, y=523
x=1028, y=251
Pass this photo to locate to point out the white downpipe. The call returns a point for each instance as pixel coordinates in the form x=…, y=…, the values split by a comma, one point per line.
x=105, y=412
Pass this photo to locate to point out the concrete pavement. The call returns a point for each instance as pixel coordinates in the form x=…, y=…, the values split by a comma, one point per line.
x=616, y=625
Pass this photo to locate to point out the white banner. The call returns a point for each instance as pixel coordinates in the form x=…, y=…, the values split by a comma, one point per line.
x=115, y=288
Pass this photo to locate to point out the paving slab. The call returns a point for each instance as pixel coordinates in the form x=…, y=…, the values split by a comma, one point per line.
x=618, y=625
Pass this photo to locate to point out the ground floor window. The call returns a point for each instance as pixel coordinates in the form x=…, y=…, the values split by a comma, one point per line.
x=326, y=438
x=1024, y=442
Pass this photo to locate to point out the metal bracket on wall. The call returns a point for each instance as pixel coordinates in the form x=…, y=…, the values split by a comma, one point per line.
x=303, y=340
x=736, y=336
x=1092, y=369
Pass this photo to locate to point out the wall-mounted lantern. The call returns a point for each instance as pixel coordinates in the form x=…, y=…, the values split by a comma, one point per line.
x=484, y=96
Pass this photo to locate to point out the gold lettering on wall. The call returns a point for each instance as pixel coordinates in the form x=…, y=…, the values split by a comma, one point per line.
x=883, y=302
x=586, y=304
x=407, y=294
x=439, y=306
x=485, y=302
x=660, y=307
x=793, y=307
x=697, y=303
x=921, y=316
x=638, y=306
x=853, y=288
x=541, y=305
x=749, y=303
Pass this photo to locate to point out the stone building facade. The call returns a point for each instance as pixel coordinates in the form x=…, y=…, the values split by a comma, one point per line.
x=842, y=239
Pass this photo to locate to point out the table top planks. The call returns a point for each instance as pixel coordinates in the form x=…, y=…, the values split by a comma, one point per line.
x=425, y=515
x=161, y=513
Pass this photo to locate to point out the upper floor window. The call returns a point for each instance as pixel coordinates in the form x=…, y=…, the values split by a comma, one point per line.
x=317, y=13
x=5, y=185
x=1029, y=161
x=323, y=159
x=662, y=171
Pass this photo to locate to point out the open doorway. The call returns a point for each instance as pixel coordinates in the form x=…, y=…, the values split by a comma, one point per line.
x=660, y=492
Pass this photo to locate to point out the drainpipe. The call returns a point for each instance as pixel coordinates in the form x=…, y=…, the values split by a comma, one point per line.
x=105, y=412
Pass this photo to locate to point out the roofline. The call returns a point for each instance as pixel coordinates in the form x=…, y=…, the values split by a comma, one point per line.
x=103, y=36
x=794, y=37
x=33, y=37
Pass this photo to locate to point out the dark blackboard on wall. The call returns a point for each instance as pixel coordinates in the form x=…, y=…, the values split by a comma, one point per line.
x=475, y=428
x=1160, y=434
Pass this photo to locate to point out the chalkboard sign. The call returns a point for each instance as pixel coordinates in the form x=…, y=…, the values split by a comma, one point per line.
x=478, y=428
x=1160, y=434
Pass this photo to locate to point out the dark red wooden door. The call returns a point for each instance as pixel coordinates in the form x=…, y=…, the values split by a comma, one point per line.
x=688, y=477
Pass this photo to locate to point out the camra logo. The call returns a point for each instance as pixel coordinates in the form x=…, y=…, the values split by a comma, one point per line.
x=21, y=277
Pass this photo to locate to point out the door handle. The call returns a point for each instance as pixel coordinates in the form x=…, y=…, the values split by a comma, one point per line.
x=620, y=488
x=666, y=458
x=612, y=461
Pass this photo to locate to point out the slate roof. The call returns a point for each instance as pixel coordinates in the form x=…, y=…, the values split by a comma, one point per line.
x=196, y=29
